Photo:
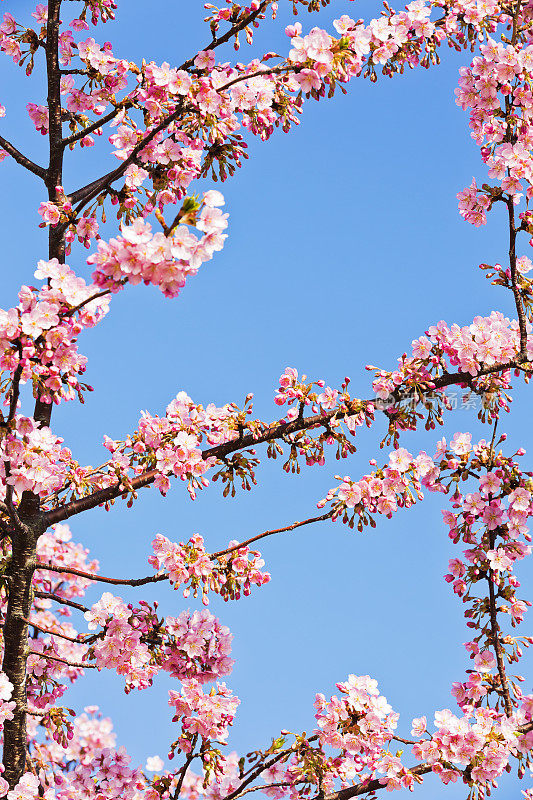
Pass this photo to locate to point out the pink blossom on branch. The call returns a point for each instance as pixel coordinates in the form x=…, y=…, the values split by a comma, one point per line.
x=172, y=126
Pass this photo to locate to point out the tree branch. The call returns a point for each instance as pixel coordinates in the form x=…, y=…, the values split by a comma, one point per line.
x=15, y=636
x=92, y=577
x=28, y=526
x=91, y=190
x=495, y=635
x=259, y=536
x=190, y=757
x=514, y=278
x=158, y=578
x=369, y=786
x=55, y=633
x=62, y=660
x=23, y=160
x=256, y=772
x=277, y=430
x=53, y=72
x=70, y=603
x=99, y=123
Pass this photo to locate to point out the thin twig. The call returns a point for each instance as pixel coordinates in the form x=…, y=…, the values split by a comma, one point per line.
x=522, y=323
x=403, y=741
x=11, y=510
x=83, y=303
x=253, y=539
x=91, y=576
x=261, y=788
x=491, y=449
x=233, y=31
x=99, y=123
x=74, y=664
x=190, y=757
x=495, y=634
x=54, y=633
x=61, y=600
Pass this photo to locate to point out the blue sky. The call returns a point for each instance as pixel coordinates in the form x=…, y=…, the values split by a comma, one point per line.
x=344, y=244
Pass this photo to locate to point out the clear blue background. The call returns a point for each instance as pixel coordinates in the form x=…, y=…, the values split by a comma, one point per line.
x=344, y=244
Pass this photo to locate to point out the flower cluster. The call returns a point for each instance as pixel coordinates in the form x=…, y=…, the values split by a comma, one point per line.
x=32, y=459
x=138, y=644
x=496, y=89
x=209, y=715
x=384, y=490
x=171, y=444
x=492, y=520
x=392, y=35
x=482, y=741
x=294, y=389
x=38, y=338
x=473, y=349
x=121, y=646
x=359, y=724
x=96, y=767
x=226, y=574
x=198, y=647
x=473, y=204
x=138, y=255
x=299, y=394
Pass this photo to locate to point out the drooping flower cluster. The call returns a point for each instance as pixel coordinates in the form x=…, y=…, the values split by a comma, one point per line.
x=138, y=255
x=208, y=715
x=492, y=520
x=138, y=644
x=226, y=574
x=121, y=646
x=384, y=490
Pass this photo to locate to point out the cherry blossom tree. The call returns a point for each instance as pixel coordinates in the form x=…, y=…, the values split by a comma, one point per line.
x=175, y=129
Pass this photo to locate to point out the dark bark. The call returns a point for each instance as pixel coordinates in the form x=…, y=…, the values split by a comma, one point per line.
x=18, y=578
